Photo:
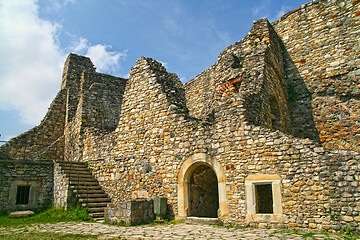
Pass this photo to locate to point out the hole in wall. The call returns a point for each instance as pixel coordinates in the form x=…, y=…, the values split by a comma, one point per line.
x=204, y=196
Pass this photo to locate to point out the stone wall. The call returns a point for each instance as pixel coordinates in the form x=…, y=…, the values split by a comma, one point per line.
x=153, y=112
x=322, y=40
x=131, y=212
x=318, y=186
x=154, y=139
x=101, y=99
x=240, y=119
x=63, y=196
x=253, y=66
x=44, y=141
x=36, y=174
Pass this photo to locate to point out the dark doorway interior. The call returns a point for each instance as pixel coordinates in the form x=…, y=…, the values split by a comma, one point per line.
x=264, y=199
x=204, y=197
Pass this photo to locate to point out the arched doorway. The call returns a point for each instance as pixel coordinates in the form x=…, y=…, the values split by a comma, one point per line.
x=191, y=171
x=204, y=196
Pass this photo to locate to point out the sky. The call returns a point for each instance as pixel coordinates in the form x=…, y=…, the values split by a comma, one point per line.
x=36, y=36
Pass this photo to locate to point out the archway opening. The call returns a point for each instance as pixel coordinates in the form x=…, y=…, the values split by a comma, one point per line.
x=204, y=196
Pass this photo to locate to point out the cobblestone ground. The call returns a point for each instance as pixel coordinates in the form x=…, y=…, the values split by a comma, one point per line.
x=172, y=231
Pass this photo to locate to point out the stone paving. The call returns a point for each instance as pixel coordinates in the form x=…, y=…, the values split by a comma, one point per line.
x=167, y=232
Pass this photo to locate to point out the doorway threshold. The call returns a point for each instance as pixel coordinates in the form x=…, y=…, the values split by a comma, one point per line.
x=202, y=220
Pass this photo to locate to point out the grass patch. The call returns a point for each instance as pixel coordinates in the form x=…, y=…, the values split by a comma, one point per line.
x=308, y=235
x=45, y=236
x=52, y=215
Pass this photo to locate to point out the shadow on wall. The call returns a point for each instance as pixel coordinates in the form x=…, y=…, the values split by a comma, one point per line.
x=300, y=101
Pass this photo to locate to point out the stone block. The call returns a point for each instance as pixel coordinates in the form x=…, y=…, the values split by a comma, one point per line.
x=20, y=214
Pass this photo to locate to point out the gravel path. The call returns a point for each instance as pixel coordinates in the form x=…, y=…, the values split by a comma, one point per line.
x=166, y=232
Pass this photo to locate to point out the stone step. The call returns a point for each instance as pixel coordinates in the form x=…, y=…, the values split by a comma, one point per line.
x=91, y=195
x=94, y=200
x=100, y=219
x=97, y=215
x=96, y=191
x=96, y=209
x=92, y=205
x=202, y=220
x=82, y=173
x=87, y=188
x=73, y=165
x=75, y=169
x=81, y=179
x=83, y=183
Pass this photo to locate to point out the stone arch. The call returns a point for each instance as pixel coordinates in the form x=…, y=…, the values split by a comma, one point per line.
x=185, y=172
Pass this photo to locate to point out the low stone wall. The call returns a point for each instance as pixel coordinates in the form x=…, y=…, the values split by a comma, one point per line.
x=38, y=175
x=63, y=196
x=131, y=212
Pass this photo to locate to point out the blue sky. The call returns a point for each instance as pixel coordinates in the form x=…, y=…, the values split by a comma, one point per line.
x=36, y=36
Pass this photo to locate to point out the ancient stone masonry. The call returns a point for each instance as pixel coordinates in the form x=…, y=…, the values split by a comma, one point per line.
x=322, y=43
x=35, y=178
x=268, y=135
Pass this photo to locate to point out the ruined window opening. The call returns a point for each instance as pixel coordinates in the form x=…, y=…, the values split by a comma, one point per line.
x=22, y=195
x=275, y=113
x=264, y=198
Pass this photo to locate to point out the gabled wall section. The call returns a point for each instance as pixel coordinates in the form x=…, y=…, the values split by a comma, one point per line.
x=254, y=69
x=43, y=141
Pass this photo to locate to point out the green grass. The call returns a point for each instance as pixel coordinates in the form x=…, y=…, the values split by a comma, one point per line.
x=52, y=215
x=45, y=236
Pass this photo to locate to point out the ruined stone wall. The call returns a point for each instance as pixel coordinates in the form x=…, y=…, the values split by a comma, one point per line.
x=36, y=174
x=47, y=141
x=101, y=100
x=43, y=141
x=319, y=187
x=74, y=66
x=137, y=134
x=71, y=81
x=254, y=67
x=62, y=192
x=142, y=152
x=322, y=40
x=99, y=108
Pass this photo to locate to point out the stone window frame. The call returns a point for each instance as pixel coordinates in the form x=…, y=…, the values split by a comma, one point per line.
x=32, y=194
x=184, y=181
x=258, y=179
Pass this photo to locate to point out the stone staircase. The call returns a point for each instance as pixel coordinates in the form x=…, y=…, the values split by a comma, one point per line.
x=85, y=188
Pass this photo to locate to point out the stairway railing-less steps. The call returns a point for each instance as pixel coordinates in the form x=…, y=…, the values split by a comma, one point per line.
x=86, y=188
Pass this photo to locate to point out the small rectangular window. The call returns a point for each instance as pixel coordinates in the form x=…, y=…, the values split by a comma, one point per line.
x=264, y=198
x=22, y=195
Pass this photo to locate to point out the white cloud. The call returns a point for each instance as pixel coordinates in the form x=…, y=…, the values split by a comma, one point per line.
x=164, y=64
x=56, y=5
x=103, y=59
x=261, y=8
x=284, y=9
x=81, y=45
x=31, y=59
